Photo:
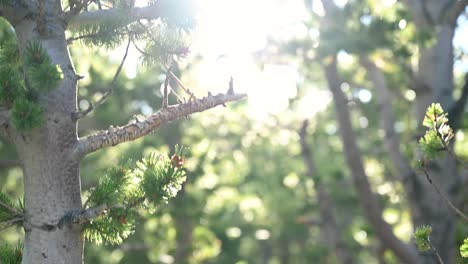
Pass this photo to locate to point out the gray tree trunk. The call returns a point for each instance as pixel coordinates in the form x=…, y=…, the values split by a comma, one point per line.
x=51, y=176
x=435, y=75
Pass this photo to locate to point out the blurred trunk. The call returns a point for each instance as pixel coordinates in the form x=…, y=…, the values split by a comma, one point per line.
x=284, y=251
x=184, y=239
x=266, y=251
x=436, y=85
x=353, y=156
x=331, y=233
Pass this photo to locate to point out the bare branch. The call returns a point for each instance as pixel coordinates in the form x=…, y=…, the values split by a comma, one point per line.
x=9, y=163
x=367, y=198
x=446, y=199
x=387, y=119
x=11, y=222
x=9, y=208
x=99, y=16
x=136, y=129
x=109, y=91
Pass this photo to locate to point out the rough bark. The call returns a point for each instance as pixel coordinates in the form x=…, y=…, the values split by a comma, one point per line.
x=331, y=231
x=367, y=198
x=137, y=128
x=51, y=179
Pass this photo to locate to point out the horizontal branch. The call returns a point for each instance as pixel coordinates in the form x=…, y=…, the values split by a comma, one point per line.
x=139, y=128
x=99, y=16
x=9, y=163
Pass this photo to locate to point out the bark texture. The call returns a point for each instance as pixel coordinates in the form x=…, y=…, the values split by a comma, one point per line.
x=51, y=179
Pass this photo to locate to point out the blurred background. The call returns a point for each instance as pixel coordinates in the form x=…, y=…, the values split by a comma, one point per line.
x=260, y=189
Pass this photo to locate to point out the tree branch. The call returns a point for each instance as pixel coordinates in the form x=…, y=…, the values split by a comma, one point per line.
x=387, y=120
x=418, y=12
x=9, y=163
x=453, y=10
x=108, y=92
x=367, y=198
x=136, y=129
x=99, y=16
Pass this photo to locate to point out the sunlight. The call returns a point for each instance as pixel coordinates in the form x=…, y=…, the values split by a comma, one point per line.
x=229, y=33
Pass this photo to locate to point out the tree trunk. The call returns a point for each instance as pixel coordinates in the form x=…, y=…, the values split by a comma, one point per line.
x=51, y=177
x=353, y=156
x=436, y=79
x=331, y=233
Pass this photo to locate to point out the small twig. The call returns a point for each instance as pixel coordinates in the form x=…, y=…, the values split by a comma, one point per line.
x=451, y=205
x=179, y=82
x=71, y=39
x=109, y=91
x=11, y=209
x=439, y=258
x=11, y=222
x=165, y=95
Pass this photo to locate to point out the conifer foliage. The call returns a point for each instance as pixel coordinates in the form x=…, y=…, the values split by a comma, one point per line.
x=22, y=90
x=124, y=190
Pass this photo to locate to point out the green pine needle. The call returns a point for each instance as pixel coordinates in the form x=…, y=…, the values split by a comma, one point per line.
x=155, y=180
x=44, y=77
x=161, y=177
x=112, y=228
x=11, y=85
x=421, y=236
x=10, y=255
x=26, y=115
x=439, y=132
x=464, y=248
x=6, y=214
x=35, y=54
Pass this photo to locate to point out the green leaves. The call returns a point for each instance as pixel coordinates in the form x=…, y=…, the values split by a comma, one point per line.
x=155, y=180
x=26, y=114
x=464, y=248
x=439, y=134
x=10, y=255
x=421, y=236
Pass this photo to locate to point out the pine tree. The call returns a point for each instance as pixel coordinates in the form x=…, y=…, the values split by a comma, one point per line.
x=39, y=115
